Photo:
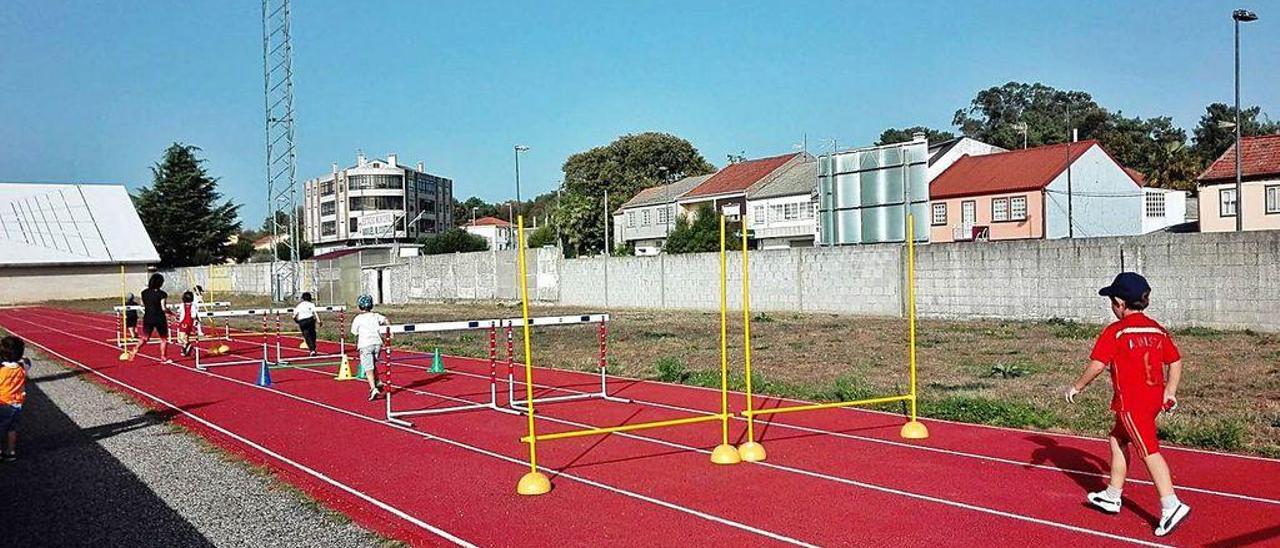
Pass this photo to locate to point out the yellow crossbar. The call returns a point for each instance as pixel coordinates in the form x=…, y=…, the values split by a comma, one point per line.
x=625, y=428
x=811, y=407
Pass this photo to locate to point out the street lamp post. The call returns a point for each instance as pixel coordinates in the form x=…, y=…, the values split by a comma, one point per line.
x=473, y=215
x=1239, y=16
x=519, y=149
x=666, y=194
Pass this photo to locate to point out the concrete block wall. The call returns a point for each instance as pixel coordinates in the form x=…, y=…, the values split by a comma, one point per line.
x=1223, y=280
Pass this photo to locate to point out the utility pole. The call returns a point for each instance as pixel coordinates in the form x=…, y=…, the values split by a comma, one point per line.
x=606, y=223
x=1239, y=16
x=1071, y=224
x=281, y=156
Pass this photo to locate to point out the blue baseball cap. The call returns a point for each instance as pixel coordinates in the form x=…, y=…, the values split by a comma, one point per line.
x=1128, y=286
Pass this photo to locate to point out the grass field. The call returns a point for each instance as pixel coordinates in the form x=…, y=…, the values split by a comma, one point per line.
x=991, y=372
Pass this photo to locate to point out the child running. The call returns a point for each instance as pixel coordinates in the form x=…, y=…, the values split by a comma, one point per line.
x=305, y=316
x=154, y=317
x=370, y=330
x=13, y=393
x=187, y=322
x=1137, y=350
x=197, y=306
x=131, y=316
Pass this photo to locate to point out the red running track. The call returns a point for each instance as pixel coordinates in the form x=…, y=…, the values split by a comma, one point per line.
x=838, y=477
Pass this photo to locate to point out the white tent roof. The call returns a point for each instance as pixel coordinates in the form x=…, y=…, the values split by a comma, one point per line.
x=70, y=224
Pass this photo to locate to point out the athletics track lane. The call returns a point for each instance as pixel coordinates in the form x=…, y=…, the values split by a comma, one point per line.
x=821, y=451
x=829, y=513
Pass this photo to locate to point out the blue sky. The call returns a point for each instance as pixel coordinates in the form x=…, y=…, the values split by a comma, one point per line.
x=94, y=91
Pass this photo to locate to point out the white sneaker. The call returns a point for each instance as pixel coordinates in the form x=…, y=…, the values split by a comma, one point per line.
x=1169, y=519
x=1100, y=501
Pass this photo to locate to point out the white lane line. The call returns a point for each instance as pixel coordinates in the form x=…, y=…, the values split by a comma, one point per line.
x=845, y=435
x=433, y=437
x=265, y=451
x=814, y=474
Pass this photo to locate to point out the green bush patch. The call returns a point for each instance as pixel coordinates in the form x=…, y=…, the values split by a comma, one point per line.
x=1199, y=332
x=987, y=411
x=671, y=369
x=1227, y=435
x=1070, y=329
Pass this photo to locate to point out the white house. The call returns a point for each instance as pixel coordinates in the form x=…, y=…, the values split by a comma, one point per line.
x=647, y=218
x=781, y=213
x=498, y=233
x=944, y=153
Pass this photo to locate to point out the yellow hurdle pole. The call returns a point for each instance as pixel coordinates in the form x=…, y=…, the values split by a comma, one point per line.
x=533, y=483
x=911, y=307
x=811, y=407
x=724, y=339
x=746, y=332
x=624, y=428
x=124, y=329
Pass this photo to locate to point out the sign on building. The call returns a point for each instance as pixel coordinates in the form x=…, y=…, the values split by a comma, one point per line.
x=374, y=225
x=865, y=195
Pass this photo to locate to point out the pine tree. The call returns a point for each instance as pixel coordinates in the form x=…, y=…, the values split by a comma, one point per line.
x=182, y=213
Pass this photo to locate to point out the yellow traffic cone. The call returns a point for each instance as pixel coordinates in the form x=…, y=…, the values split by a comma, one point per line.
x=344, y=371
x=303, y=345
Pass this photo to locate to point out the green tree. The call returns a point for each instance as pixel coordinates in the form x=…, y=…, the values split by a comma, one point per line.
x=242, y=250
x=993, y=114
x=305, y=251
x=624, y=167
x=453, y=240
x=895, y=135
x=1214, y=134
x=702, y=234
x=579, y=218
x=183, y=211
x=542, y=236
x=1140, y=144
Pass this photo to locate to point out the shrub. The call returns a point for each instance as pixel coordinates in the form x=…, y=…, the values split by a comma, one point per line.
x=671, y=369
x=1223, y=434
x=986, y=411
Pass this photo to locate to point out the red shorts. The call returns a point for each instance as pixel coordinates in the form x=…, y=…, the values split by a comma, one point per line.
x=1139, y=429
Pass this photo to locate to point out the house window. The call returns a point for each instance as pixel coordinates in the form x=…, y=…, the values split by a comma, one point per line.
x=1227, y=202
x=1273, y=199
x=1018, y=208
x=999, y=210
x=328, y=228
x=806, y=210
x=969, y=212
x=631, y=219
x=327, y=208
x=760, y=213
x=644, y=218
x=939, y=213
x=791, y=212
x=664, y=215
x=1155, y=205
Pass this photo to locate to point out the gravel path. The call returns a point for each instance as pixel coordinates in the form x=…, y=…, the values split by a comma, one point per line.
x=97, y=470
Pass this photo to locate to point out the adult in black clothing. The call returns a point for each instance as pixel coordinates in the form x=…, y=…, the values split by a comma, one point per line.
x=154, y=317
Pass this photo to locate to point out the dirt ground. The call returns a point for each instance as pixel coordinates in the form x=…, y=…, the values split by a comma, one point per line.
x=993, y=372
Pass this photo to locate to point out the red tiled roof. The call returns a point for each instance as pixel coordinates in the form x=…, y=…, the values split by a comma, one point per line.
x=488, y=221
x=1137, y=176
x=740, y=176
x=1013, y=171
x=1261, y=157
x=336, y=253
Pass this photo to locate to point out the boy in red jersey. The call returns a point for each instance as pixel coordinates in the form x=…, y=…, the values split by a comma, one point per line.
x=187, y=322
x=1136, y=350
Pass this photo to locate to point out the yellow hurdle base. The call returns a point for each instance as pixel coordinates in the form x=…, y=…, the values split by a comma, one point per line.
x=914, y=430
x=124, y=356
x=725, y=454
x=534, y=483
x=751, y=452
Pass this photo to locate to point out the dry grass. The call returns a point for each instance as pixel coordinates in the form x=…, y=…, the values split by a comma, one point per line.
x=995, y=372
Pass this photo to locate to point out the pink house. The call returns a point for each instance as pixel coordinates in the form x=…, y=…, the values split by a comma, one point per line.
x=1023, y=194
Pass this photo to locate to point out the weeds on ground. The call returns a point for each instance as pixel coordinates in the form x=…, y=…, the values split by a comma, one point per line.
x=1070, y=329
x=1007, y=371
x=1224, y=434
x=988, y=411
x=1199, y=332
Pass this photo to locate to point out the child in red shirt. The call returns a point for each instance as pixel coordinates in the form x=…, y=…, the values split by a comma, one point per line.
x=1136, y=350
x=187, y=322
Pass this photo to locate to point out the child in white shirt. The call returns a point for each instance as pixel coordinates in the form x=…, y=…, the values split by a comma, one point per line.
x=370, y=330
